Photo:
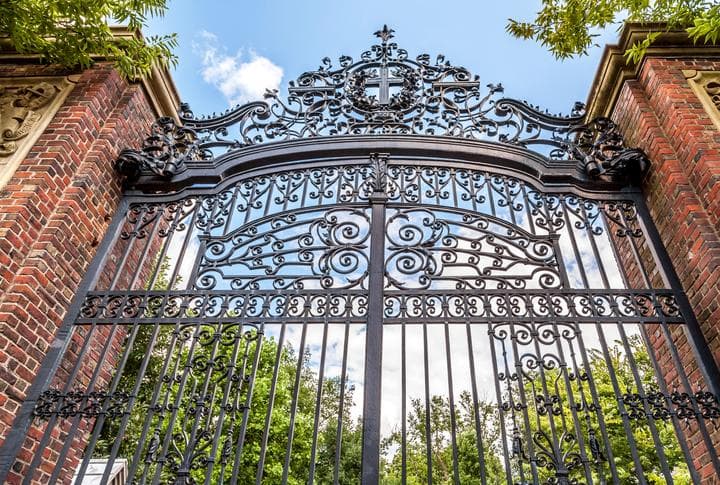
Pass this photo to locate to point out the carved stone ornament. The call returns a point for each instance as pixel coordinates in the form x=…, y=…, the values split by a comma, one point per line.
x=706, y=85
x=386, y=92
x=26, y=107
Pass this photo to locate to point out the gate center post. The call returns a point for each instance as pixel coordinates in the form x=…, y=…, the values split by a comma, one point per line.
x=373, y=346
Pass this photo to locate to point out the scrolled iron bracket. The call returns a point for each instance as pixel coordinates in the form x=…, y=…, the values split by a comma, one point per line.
x=164, y=153
x=600, y=148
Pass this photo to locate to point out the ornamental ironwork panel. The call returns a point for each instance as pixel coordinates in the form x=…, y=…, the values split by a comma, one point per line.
x=437, y=313
x=386, y=92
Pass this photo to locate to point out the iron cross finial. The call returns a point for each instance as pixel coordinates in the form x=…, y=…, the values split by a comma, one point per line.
x=385, y=34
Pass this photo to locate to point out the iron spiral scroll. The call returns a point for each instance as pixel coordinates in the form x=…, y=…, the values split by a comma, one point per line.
x=386, y=92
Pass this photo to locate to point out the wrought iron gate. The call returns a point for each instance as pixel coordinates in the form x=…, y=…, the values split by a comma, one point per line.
x=397, y=290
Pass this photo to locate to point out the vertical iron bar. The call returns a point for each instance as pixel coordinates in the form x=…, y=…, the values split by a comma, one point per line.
x=373, y=347
x=659, y=448
x=293, y=407
x=341, y=408
x=232, y=372
x=318, y=402
x=517, y=364
x=571, y=402
x=573, y=241
x=168, y=438
x=270, y=406
x=451, y=397
x=259, y=335
x=501, y=411
x=403, y=405
x=473, y=385
x=640, y=474
x=428, y=431
x=236, y=403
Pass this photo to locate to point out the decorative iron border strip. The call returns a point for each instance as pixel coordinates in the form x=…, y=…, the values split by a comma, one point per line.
x=486, y=306
x=683, y=405
x=86, y=404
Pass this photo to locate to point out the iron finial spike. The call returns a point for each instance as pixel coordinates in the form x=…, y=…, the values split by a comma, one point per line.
x=385, y=34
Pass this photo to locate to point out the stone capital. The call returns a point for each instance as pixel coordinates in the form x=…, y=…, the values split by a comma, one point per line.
x=614, y=69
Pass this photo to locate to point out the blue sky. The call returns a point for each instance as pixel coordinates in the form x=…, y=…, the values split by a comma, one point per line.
x=231, y=51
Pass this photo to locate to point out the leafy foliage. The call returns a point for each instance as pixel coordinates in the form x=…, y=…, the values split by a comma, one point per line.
x=441, y=446
x=73, y=32
x=567, y=27
x=628, y=372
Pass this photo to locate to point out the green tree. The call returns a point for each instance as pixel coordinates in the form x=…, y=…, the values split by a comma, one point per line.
x=569, y=27
x=73, y=32
x=468, y=462
x=541, y=413
x=218, y=348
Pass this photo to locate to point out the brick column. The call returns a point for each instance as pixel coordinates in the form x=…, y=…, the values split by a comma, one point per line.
x=658, y=110
x=55, y=209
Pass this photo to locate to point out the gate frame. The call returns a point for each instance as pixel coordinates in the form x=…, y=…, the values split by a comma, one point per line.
x=502, y=160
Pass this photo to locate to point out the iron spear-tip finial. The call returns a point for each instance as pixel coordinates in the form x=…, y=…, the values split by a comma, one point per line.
x=385, y=34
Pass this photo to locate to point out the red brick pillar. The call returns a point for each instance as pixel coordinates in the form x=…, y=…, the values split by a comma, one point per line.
x=677, y=124
x=55, y=209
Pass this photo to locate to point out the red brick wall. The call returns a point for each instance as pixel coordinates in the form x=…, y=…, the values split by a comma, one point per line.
x=52, y=215
x=660, y=113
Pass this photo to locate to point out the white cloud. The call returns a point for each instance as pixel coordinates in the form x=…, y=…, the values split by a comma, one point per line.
x=242, y=77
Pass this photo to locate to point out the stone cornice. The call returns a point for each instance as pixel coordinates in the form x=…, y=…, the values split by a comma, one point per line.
x=158, y=86
x=614, y=69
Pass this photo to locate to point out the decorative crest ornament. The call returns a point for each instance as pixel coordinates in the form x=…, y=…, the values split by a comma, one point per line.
x=378, y=173
x=601, y=148
x=21, y=109
x=386, y=92
x=164, y=152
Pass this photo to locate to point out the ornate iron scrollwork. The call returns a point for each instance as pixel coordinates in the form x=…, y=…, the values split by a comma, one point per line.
x=91, y=404
x=683, y=405
x=387, y=92
x=600, y=147
x=164, y=153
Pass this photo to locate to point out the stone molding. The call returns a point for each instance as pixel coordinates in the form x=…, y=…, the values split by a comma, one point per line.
x=614, y=70
x=27, y=105
x=706, y=85
x=158, y=86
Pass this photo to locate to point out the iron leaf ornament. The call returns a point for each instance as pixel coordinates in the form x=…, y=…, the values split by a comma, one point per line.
x=164, y=153
x=600, y=147
x=386, y=92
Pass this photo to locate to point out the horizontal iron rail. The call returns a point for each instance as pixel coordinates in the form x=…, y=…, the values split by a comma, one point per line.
x=307, y=306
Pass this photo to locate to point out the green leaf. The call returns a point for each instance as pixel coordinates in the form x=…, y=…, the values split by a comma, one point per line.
x=74, y=32
x=567, y=27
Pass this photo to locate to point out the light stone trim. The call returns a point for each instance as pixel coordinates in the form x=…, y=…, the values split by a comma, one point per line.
x=706, y=85
x=27, y=105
